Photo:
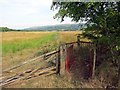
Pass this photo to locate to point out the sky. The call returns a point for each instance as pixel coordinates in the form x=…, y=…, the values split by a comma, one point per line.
x=19, y=14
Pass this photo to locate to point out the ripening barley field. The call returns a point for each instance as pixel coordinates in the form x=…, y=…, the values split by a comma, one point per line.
x=13, y=42
x=18, y=41
x=18, y=47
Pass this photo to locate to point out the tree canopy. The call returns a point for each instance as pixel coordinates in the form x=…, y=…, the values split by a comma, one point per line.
x=102, y=19
x=4, y=29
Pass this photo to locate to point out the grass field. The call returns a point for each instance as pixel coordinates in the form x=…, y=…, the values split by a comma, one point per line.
x=18, y=41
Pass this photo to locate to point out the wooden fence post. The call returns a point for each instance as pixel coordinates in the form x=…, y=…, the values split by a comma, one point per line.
x=78, y=40
x=91, y=63
x=119, y=70
x=58, y=62
x=94, y=62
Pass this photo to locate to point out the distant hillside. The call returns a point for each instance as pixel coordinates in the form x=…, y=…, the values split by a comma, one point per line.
x=64, y=27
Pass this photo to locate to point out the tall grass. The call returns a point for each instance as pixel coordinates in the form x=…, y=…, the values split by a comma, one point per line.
x=15, y=46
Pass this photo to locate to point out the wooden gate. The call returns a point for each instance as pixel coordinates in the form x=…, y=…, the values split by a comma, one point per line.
x=52, y=60
x=69, y=58
x=85, y=52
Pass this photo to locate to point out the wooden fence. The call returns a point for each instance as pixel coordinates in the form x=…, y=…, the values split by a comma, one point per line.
x=53, y=68
x=86, y=51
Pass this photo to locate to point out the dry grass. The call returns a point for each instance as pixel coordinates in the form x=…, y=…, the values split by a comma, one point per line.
x=17, y=36
x=68, y=36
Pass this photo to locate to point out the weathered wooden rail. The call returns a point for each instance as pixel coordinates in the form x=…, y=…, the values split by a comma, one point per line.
x=40, y=58
x=25, y=75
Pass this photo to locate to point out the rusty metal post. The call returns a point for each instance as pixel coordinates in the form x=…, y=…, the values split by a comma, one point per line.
x=58, y=62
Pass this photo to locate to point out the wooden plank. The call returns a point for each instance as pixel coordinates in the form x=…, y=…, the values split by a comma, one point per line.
x=70, y=43
x=29, y=72
x=35, y=70
x=50, y=73
x=50, y=58
x=44, y=71
x=17, y=76
x=37, y=58
x=2, y=78
x=58, y=63
x=10, y=81
x=86, y=42
x=24, y=77
x=51, y=53
x=23, y=63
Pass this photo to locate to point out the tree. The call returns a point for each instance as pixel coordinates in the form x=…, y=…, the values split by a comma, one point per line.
x=5, y=29
x=102, y=20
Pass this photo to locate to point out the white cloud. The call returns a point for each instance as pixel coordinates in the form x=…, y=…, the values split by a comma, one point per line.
x=26, y=13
